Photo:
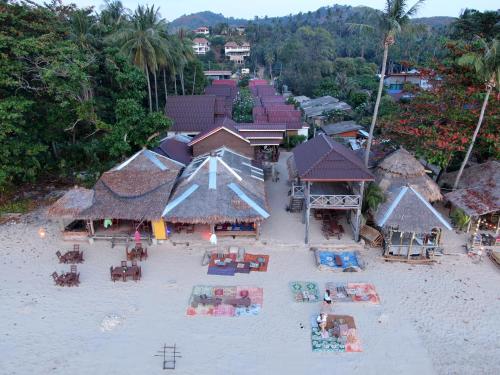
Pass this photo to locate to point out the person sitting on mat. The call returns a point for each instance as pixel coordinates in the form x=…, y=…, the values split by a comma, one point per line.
x=327, y=297
x=321, y=320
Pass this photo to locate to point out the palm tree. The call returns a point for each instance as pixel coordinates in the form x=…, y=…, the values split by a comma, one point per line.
x=113, y=15
x=269, y=59
x=184, y=55
x=143, y=40
x=486, y=65
x=394, y=17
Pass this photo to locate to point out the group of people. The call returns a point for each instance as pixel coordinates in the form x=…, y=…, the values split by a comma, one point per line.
x=321, y=319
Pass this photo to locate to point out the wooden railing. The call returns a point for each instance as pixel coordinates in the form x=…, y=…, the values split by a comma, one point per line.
x=298, y=191
x=334, y=201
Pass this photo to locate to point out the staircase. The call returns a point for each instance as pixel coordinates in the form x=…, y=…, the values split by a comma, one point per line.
x=296, y=204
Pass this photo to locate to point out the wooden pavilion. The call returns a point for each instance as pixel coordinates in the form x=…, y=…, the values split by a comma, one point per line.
x=222, y=189
x=478, y=194
x=129, y=197
x=327, y=175
x=411, y=226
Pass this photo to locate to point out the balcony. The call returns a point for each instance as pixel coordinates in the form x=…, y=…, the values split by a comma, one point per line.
x=328, y=196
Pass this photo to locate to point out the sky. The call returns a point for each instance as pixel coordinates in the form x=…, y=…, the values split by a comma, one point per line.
x=171, y=9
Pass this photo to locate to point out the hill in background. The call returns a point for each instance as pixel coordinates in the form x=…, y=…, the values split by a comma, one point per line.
x=207, y=18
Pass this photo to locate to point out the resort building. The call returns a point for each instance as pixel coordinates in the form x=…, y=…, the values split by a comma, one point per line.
x=129, y=197
x=202, y=30
x=237, y=52
x=201, y=46
x=411, y=226
x=221, y=190
x=213, y=75
x=326, y=175
x=478, y=195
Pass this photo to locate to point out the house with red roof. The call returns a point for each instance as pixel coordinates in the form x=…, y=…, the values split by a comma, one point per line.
x=201, y=46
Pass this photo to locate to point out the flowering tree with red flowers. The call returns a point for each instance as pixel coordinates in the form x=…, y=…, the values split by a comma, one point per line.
x=438, y=124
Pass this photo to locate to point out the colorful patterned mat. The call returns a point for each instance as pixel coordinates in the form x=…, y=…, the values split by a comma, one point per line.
x=340, y=261
x=353, y=292
x=304, y=291
x=222, y=294
x=342, y=335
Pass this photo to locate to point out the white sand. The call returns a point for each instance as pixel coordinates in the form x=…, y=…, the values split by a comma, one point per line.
x=439, y=319
x=433, y=319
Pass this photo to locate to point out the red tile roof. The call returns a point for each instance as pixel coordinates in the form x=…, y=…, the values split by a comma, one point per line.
x=224, y=82
x=261, y=127
x=322, y=159
x=191, y=113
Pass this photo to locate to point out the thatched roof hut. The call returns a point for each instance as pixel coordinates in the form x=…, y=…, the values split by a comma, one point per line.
x=408, y=211
x=400, y=169
x=72, y=203
x=137, y=189
x=222, y=186
x=479, y=189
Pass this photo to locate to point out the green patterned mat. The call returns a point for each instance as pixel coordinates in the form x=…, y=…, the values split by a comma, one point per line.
x=305, y=291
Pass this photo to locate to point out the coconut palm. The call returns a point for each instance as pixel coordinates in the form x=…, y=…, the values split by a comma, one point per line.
x=184, y=55
x=143, y=40
x=113, y=15
x=395, y=16
x=486, y=65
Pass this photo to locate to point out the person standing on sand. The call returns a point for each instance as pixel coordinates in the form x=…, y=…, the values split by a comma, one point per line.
x=321, y=320
x=326, y=298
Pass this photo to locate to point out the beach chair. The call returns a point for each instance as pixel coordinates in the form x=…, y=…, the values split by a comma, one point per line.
x=60, y=257
x=76, y=248
x=73, y=269
x=124, y=263
x=57, y=279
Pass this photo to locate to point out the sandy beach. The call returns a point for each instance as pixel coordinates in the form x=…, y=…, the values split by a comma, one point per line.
x=438, y=319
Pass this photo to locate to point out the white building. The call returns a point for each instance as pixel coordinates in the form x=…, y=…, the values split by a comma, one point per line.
x=201, y=46
x=236, y=52
x=203, y=30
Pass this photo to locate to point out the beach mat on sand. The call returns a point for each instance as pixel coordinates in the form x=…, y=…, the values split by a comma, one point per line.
x=353, y=292
x=338, y=261
x=342, y=335
x=223, y=294
x=304, y=291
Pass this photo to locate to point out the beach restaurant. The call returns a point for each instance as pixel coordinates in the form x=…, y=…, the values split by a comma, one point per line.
x=130, y=197
x=221, y=193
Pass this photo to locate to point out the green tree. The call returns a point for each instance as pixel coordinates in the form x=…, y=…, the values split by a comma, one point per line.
x=143, y=40
x=396, y=15
x=486, y=65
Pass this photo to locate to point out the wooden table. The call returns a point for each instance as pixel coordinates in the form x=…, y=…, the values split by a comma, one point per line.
x=69, y=279
x=72, y=256
x=124, y=272
x=137, y=252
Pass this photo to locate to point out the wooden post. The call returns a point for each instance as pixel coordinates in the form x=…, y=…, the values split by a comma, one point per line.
x=91, y=226
x=388, y=244
x=308, y=210
x=411, y=245
x=357, y=224
x=257, y=228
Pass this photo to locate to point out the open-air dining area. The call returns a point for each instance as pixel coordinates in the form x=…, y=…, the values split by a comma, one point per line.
x=125, y=271
x=71, y=278
x=137, y=252
x=72, y=256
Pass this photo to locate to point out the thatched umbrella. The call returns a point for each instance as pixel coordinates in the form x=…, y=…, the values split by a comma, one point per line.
x=402, y=169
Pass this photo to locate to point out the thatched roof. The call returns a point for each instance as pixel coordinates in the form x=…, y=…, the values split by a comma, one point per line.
x=408, y=211
x=479, y=192
x=400, y=169
x=219, y=187
x=71, y=204
x=137, y=189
